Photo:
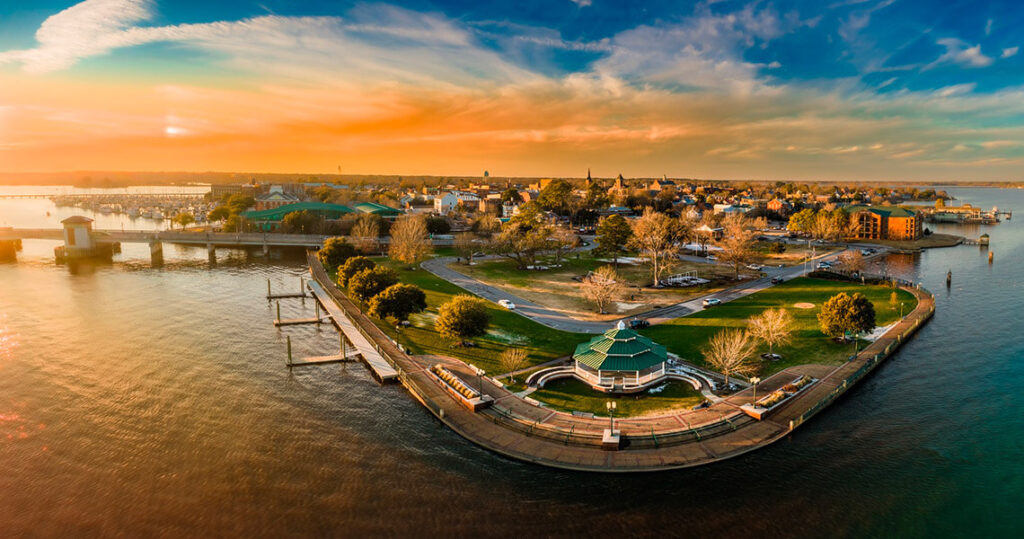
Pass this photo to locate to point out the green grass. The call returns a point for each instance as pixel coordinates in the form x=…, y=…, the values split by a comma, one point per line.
x=685, y=336
x=507, y=328
x=570, y=394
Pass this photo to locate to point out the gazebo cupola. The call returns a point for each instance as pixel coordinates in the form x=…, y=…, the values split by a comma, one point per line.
x=621, y=361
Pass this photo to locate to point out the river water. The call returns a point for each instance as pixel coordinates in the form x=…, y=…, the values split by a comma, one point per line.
x=153, y=401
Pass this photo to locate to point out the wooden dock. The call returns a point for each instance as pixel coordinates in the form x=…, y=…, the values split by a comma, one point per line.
x=380, y=367
x=298, y=321
x=324, y=360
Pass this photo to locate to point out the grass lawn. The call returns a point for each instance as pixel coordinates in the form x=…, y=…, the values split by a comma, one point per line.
x=570, y=394
x=685, y=336
x=507, y=328
x=556, y=289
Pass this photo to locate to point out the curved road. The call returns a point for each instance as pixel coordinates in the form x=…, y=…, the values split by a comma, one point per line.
x=562, y=321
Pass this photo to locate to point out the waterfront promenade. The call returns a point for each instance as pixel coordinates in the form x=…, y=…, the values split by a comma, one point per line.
x=519, y=429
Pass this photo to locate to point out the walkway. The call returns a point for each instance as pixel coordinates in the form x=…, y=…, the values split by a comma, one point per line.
x=560, y=320
x=516, y=428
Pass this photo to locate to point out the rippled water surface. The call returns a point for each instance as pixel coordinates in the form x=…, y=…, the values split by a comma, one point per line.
x=145, y=401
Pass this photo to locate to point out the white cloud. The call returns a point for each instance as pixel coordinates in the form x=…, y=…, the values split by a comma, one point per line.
x=1010, y=51
x=958, y=52
x=582, y=3
x=988, y=27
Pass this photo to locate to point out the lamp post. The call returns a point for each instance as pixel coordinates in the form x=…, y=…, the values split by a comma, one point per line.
x=754, y=380
x=611, y=405
x=901, y=309
x=479, y=377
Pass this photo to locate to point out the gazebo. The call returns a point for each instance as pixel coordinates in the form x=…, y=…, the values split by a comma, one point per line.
x=620, y=361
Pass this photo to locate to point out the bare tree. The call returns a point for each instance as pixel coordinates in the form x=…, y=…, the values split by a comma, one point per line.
x=562, y=241
x=654, y=236
x=737, y=242
x=513, y=359
x=851, y=261
x=602, y=287
x=466, y=245
x=729, y=351
x=773, y=326
x=687, y=227
x=410, y=240
x=366, y=234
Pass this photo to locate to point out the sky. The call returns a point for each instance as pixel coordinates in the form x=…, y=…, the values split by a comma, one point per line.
x=841, y=90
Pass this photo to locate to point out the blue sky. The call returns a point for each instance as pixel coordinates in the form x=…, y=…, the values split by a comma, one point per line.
x=876, y=88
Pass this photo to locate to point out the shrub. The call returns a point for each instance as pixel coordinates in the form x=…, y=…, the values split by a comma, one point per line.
x=462, y=318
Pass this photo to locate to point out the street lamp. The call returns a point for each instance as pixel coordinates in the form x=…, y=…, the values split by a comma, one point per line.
x=480, y=377
x=755, y=380
x=901, y=309
x=611, y=405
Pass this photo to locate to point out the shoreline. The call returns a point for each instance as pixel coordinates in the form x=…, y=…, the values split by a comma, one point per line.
x=519, y=430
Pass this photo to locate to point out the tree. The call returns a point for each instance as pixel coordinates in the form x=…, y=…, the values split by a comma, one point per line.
x=597, y=197
x=366, y=233
x=602, y=287
x=613, y=234
x=513, y=359
x=562, y=240
x=802, y=221
x=437, y=224
x=353, y=266
x=367, y=283
x=219, y=213
x=729, y=352
x=335, y=252
x=466, y=245
x=654, y=236
x=302, y=222
x=461, y=318
x=523, y=236
x=184, y=219
x=844, y=313
x=239, y=202
x=410, y=241
x=773, y=326
x=737, y=243
x=555, y=196
x=398, y=301
x=511, y=195
x=851, y=261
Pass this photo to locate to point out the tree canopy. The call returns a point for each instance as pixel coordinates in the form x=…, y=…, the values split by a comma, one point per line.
x=398, y=301
x=843, y=312
x=335, y=252
x=462, y=318
x=613, y=234
x=367, y=283
x=353, y=266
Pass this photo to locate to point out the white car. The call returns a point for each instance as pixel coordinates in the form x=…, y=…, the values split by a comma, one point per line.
x=506, y=304
x=755, y=267
x=712, y=258
x=711, y=302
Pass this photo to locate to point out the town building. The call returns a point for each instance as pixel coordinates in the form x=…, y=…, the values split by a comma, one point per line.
x=447, y=202
x=886, y=223
x=270, y=219
x=275, y=198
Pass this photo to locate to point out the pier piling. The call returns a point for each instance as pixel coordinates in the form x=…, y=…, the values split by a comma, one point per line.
x=289, y=350
x=279, y=313
x=949, y=278
x=990, y=255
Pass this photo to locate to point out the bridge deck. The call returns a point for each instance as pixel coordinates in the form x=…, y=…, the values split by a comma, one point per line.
x=371, y=356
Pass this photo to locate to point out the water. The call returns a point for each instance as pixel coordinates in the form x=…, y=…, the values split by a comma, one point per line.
x=140, y=401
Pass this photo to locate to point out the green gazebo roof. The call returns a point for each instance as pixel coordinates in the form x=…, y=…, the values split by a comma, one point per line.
x=620, y=349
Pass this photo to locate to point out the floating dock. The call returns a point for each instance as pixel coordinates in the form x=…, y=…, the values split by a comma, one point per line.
x=373, y=358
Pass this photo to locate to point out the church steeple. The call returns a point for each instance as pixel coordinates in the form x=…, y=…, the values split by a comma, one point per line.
x=588, y=177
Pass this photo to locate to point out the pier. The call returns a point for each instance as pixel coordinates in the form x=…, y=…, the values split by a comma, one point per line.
x=370, y=353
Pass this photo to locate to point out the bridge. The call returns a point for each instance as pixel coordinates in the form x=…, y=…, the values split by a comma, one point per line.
x=211, y=240
x=104, y=195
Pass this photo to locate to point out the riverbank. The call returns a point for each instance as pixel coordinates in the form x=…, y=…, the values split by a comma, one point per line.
x=931, y=241
x=516, y=428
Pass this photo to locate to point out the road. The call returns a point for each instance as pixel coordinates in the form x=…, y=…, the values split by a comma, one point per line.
x=562, y=321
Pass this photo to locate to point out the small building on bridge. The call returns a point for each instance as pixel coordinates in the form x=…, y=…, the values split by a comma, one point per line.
x=620, y=361
x=80, y=241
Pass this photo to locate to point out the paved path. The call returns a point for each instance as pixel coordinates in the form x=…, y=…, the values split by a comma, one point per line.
x=563, y=321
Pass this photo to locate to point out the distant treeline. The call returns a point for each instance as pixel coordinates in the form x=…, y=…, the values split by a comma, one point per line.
x=125, y=179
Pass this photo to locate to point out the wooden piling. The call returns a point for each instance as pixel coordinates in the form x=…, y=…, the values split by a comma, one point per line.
x=268, y=289
x=289, y=350
x=949, y=278
x=279, y=312
x=990, y=254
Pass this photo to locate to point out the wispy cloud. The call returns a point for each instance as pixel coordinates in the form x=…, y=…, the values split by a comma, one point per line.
x=1009, y=52
x=960, y=53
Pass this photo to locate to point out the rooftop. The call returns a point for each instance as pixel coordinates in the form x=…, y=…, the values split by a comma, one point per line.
x=620, y=349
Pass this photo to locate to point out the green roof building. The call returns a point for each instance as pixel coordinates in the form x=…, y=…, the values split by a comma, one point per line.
x=270, y=219
x=620, y=361
x=378, y=209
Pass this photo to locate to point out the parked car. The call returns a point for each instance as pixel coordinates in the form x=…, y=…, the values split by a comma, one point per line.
x=638, y=324
x=506, y=304
x=776, y=280
x=755, y=267
x=712, y=258
x=711, y=302
x=824, y=265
